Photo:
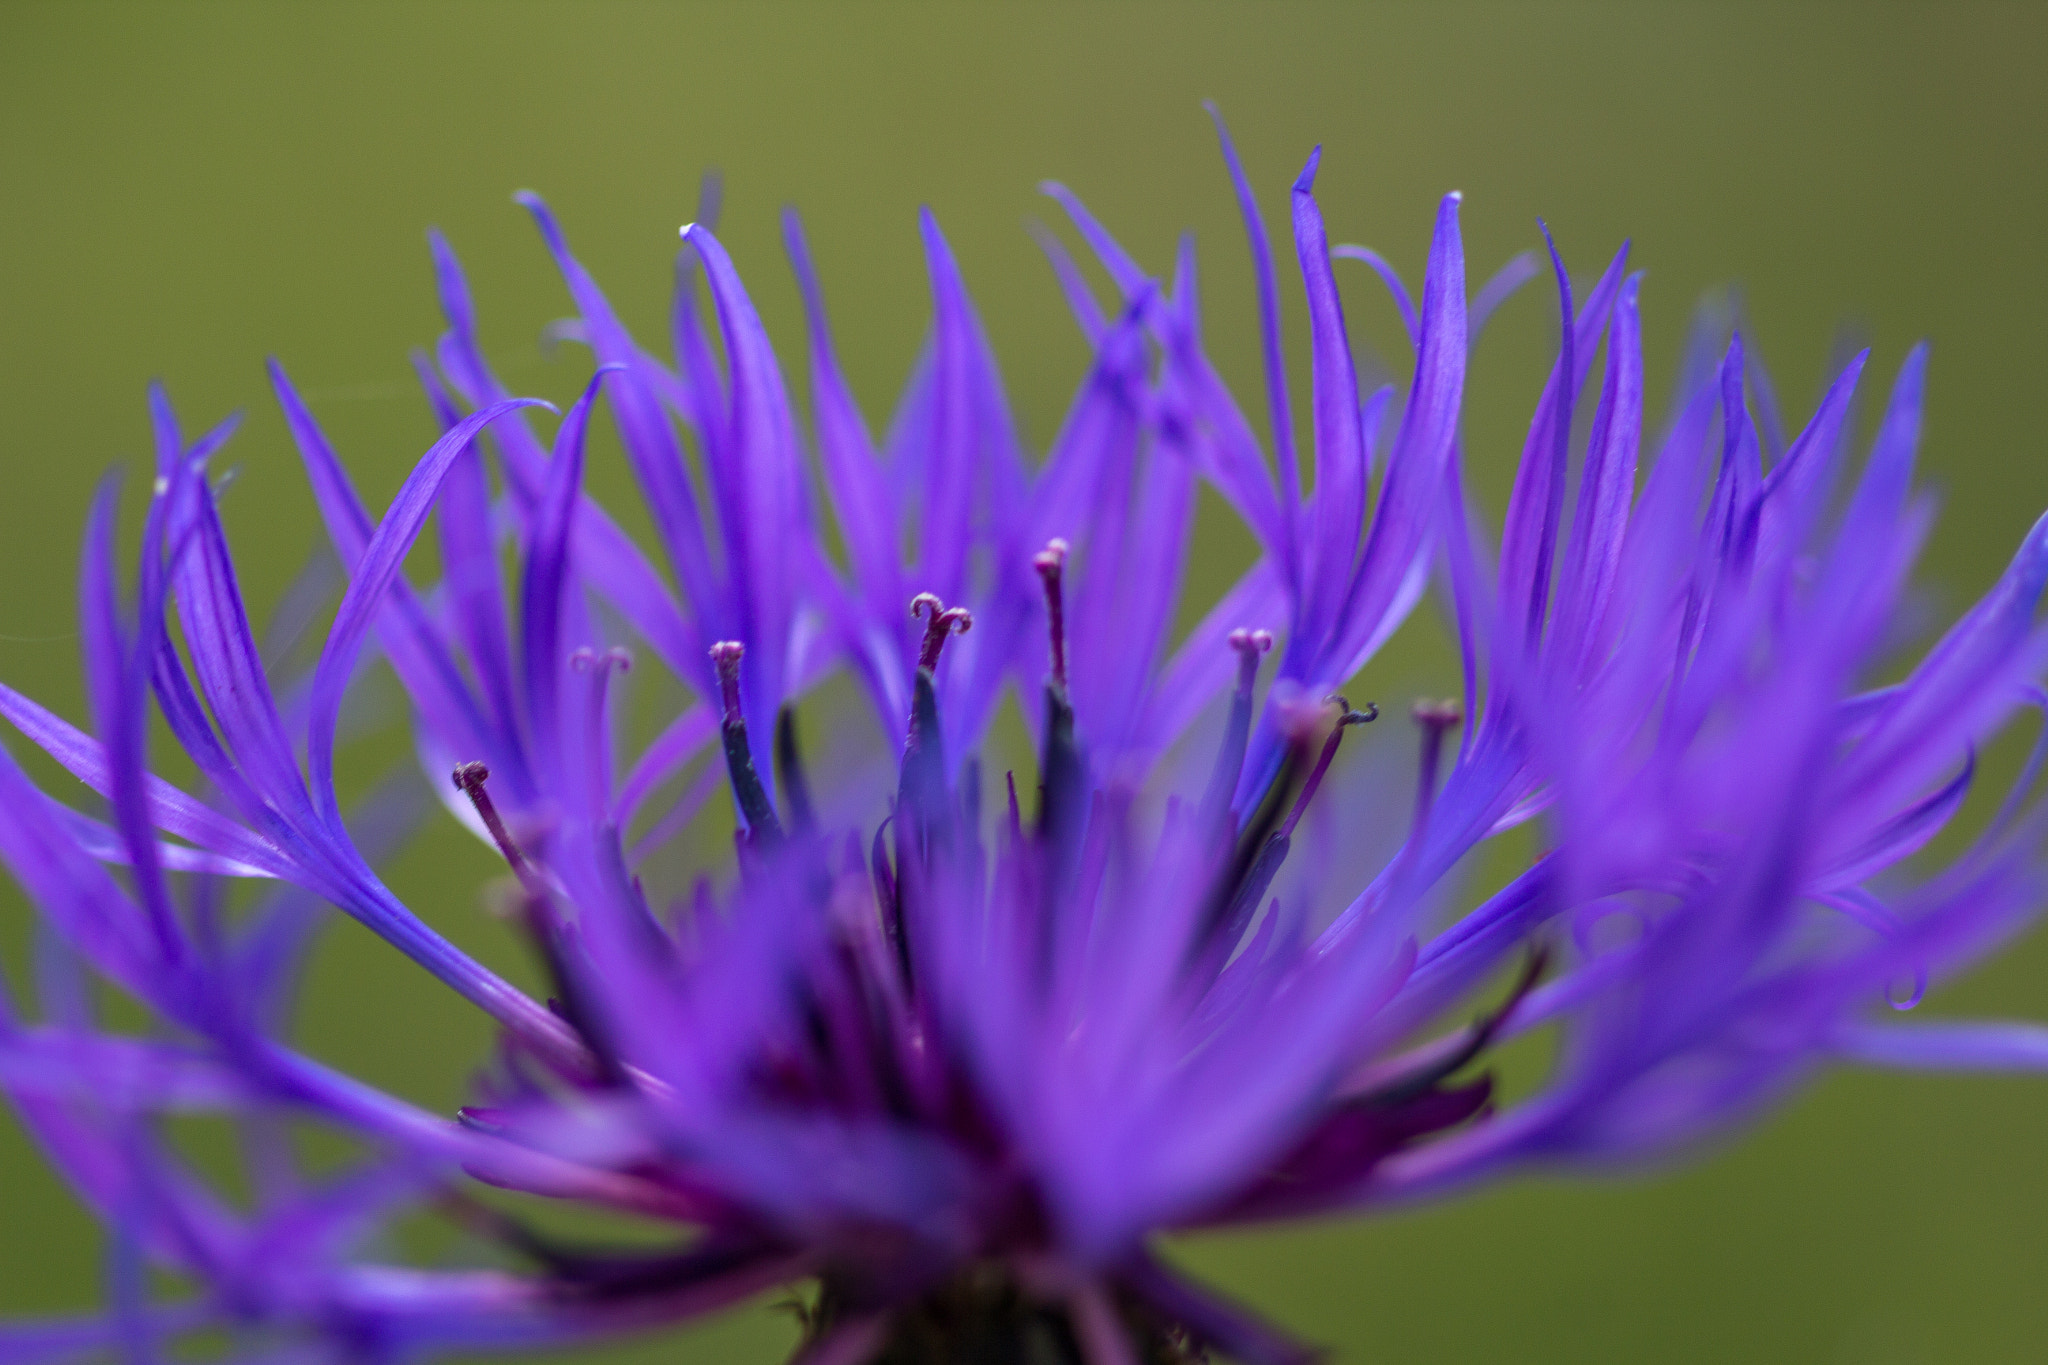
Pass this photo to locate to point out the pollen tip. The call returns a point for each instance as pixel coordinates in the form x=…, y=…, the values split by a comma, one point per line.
x=1437, y=711
x=1347, y=714
x=940, y=621
x=471, y=775
x=585, y=658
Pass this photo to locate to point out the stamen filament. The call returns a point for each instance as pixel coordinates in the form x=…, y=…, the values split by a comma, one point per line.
x=540, y=920
x=1237, y=728
x=1345, y=721
x=1435, y=718
x=939, y=622
x=1249, y=644
x=921, y=781
x=725, y=659
x=469, y=780
x=789, y=770
x=597, y=741
x=1051, y=565
x=748, y=793
x=1264, y=844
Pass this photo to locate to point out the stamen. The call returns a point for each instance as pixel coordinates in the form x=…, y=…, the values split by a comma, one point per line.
x=1262, y=846
x=542, y=924
x=616, y=658
x=1051, y=563
x=921, y=782
x=1249, y=644
x=1435, y=718
x=469, y=780
x=748, y=793
x=1062, y=791
x=1345, y=720
x=939, y=622
x=921, y=787
x=1237, y=728
x=789, y=770
x=1063, y=785
x=725, y=658
x=596, y=739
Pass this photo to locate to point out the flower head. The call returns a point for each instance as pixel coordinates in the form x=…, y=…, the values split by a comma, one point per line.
x=956, y=1048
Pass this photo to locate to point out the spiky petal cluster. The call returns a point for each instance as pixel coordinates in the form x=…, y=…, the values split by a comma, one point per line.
x=957, y=1060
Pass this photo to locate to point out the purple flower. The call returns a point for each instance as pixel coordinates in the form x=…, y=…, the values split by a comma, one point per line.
x=954, y=1049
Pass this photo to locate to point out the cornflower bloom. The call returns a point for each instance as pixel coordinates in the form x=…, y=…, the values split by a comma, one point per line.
x=958, y=1065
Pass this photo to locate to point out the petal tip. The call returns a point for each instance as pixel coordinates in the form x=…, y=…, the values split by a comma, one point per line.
x=1305, y=183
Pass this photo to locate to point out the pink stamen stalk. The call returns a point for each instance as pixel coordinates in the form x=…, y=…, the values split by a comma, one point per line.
x=469, y=780
x=1051, y=564
x=725, y=659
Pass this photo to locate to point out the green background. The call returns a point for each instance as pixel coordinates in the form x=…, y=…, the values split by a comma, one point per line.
x=185, y=189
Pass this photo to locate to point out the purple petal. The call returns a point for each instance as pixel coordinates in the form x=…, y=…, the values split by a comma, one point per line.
x=1520, y=269
x=1269, y=322
x=1338, y=505
x=1392, y=279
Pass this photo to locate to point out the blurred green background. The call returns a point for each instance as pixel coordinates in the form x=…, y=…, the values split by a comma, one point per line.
x=185, y=189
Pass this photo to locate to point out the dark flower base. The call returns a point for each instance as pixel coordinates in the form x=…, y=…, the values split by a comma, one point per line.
x=984, y=1318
